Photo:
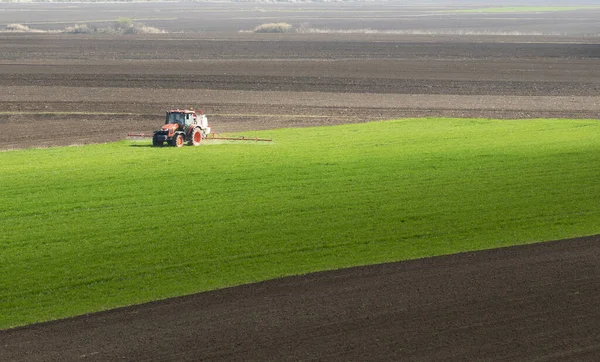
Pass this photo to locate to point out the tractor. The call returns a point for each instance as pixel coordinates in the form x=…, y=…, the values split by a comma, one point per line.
x=182, y=126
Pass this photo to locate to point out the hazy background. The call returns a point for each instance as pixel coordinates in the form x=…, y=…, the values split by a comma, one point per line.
x=456, y=17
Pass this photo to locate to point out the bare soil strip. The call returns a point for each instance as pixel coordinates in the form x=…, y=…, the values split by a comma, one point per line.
x=309, y=99
x=535, y=302
x=311, y=84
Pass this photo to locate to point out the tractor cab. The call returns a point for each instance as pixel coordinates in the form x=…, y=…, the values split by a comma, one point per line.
x=183, y=118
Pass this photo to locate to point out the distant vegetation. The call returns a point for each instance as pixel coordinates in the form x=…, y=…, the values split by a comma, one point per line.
x=100, y=226
x=121, y=27
x=20, y=28
x=273, y=28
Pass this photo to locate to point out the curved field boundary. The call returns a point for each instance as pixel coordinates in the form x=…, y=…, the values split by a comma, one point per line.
x=533, y=302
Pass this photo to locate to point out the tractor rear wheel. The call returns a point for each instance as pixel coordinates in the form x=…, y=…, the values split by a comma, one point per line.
x=178, y=140
x=196, y=137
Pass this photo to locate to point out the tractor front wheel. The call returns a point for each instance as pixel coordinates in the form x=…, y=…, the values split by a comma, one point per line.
x=156, y=142
x=178, y=140
x=196, y=137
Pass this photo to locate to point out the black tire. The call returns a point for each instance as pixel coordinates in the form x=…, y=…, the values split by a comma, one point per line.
x=156, y=142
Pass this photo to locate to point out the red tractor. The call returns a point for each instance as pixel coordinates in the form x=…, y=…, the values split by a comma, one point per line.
x=182, y=126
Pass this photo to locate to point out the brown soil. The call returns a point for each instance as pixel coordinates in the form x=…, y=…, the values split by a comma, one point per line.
x=537, y=302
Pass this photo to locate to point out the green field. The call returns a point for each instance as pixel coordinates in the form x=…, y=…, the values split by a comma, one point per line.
x=89, y=228
x=525, y=9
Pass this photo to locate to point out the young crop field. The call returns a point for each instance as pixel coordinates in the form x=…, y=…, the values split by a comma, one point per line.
x=95, y=227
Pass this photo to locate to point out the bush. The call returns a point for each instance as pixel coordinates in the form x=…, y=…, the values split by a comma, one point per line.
x=79, y=29
x=122, y=26
x=273, y=28
x=127, y=26
x=145, y=29
x=18, y=28
x=124, y=22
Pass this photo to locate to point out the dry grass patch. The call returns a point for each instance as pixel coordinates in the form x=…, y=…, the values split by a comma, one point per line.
x=273, y=28
x=123, y=26
x=20, y=28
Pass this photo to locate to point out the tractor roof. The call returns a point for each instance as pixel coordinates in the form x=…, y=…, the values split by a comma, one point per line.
x=181, y=111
